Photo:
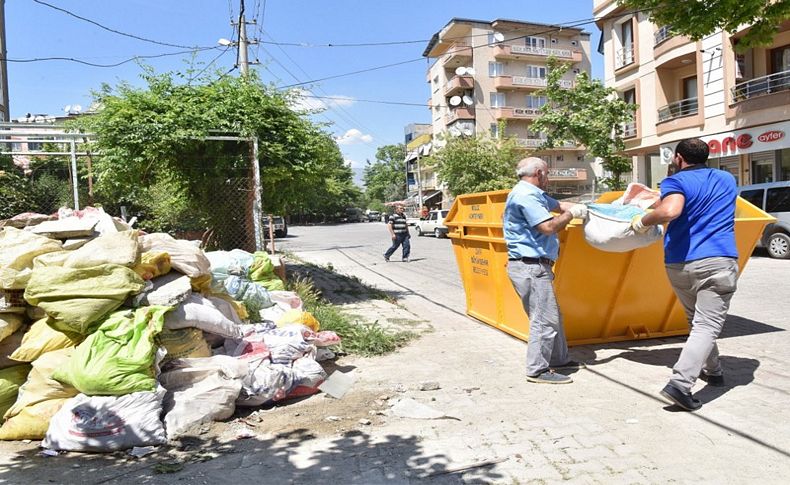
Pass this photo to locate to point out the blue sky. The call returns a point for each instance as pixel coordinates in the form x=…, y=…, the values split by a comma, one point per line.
x=37, y=31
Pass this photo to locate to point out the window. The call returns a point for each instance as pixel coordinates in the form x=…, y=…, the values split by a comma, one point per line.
x=496, y=69
x=436, y=83
x=536, y=72
x=494, y=130
x=536, y=102
x=762, y=167
x=630, y=96
x=491, y=40
x=498, y=100
x=444, y=214
x=35, y=146
x=784, y=165
x=536, y=42
x=534, y=134
x=690, y=87
x=778, y=200
x=627, y=34
x=754, y=196
x=432, y=217
x=780, y=59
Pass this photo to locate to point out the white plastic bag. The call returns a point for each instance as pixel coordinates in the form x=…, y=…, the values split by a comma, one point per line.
x=201, y=390
x=199, y=312
x=266, y=382
x=107, y=423
x=614, y=235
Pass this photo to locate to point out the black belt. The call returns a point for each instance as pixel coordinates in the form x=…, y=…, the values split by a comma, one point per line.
x=533, y=260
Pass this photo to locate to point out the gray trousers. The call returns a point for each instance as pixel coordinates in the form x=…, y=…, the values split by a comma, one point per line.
x=704, y=288
x=547, y=346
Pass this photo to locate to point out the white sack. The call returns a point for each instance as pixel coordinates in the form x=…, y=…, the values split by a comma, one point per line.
x=615, y=235
x=199, y=312
x=107, y=423
x=185, y=257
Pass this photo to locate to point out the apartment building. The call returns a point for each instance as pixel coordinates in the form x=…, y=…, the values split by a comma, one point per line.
x=738, y=102
x=422, y=184
x=487, y=72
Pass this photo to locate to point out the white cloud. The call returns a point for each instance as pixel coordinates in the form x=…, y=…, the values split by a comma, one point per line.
x=307, y=102
x=353, y=137
x=354, y=163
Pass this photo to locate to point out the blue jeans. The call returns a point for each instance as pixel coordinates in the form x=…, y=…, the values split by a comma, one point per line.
x=400, y=239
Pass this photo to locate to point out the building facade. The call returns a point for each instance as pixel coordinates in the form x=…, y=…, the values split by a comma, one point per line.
x=488, y=72
x=738, y=102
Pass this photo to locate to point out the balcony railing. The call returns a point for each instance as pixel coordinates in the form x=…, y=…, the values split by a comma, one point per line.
x=538, y=81
x=537, y=142
x=624, y=56
x=760, y=86
x=567, y=174
x=540, y=51
x=629, y=129
x=678, y=109
x=662, y=34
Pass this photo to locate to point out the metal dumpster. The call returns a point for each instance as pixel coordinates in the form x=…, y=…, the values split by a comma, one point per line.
x=604, y=297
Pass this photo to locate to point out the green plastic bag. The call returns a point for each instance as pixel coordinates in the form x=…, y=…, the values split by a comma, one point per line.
x=262, y=272
x=10, y=380
x=75, y=300
x=119, y=357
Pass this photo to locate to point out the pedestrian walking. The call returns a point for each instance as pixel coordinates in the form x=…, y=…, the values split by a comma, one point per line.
x=533, y=246
x=701, y=261
x=399, y=232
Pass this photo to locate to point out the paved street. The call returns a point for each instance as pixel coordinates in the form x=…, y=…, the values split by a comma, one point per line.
x=607, y=427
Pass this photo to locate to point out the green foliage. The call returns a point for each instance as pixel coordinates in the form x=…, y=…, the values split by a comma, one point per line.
x=477, y=164
x=385, y=179
x=15, y=194
x=699, y=18
x=154, y=160
x=588, y=113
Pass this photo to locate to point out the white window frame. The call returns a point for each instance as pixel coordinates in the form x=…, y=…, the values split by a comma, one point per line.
x=494, y=129
x=534, y=102
x=538, y=69
x=528, y=41
x=496, y=69
x=495, y=97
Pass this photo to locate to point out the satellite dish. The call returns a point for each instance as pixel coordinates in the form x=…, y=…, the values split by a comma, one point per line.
x=77, y=108
x=21, y=119
x=50, y=118
x=455, y=131
x=468, y=131
x=67, y=108
x=499, y=36
x=39, y=119
x=460, y=71
x=470, y=71
x=455, y=101
x=428, y=147
x=468, y=100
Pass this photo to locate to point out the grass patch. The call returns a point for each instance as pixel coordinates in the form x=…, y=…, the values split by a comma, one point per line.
x=360, y=338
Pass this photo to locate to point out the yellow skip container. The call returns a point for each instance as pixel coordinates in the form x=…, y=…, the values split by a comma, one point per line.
x=603, y=297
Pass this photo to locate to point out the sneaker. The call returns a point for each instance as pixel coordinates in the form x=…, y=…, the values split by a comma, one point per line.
x=550, y=377
x=680, y=398
x=405, y=260
x=386, y=258
x=715, y=381
x=570, y=365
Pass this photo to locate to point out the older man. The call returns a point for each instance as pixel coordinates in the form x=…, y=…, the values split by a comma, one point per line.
x=533, y=246
x=399, y=233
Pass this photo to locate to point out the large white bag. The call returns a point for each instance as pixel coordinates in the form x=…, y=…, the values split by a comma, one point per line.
x=107, y=423
x=613, y=234
x=185, y=257
x=200, y=312
x=201, y=390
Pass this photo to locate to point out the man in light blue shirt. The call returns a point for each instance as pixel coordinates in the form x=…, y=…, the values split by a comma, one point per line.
x=532, y=245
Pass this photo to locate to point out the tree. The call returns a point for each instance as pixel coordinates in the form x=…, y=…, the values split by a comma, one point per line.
x=588, y=113
x=385, y=179
x=476, y=164
x=699, y=18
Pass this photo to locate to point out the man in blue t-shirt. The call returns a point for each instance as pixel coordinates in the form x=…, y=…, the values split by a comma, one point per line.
x=532, y=247
x=701, y=261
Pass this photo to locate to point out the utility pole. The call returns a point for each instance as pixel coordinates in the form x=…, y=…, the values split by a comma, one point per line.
x=4, y=111
x=244, y=63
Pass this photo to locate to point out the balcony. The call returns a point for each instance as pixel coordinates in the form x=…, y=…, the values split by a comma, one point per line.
x=516, y=113
x=624, y=57
x=459, y=114
x=661, y=35
x=457, y=84
x=457, y=55
x=568, y=174
x=524, y=82
x=629, y=129
x=761, y=86
x=678, y=109
x=510, y=51
x=538, y=143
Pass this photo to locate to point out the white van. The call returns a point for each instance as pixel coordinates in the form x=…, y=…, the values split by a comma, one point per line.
x=773, y=198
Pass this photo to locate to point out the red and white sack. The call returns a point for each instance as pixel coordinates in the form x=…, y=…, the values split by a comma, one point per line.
x=614, y=235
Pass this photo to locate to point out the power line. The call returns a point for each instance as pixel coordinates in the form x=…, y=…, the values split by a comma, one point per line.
x=210, y=64
x=558, y=28
x=108, y=29
x=93, y=64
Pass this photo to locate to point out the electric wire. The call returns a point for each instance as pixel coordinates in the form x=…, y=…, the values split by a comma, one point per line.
x=207, y=66
x=116, y=64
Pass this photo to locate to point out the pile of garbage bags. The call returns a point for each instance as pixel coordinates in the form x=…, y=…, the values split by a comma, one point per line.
x=111, y=338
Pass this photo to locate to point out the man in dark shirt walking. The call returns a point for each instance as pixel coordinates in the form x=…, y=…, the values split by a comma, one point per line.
x=399, y=232
x=701, y=261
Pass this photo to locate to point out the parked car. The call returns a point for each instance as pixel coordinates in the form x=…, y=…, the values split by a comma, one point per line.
x=353, y=214
x=773, y=198
x=434, y=224
x=374, y=216
x=280, y=227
